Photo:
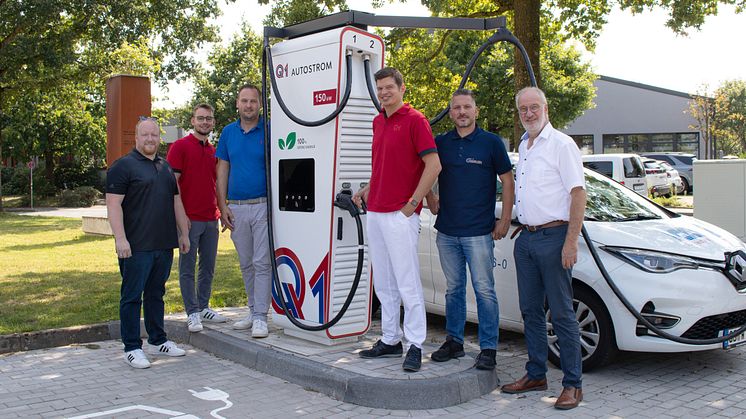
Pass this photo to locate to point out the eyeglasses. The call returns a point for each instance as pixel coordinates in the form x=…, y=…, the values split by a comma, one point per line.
x=204, y=118
x=533, y=108
x=147, y=118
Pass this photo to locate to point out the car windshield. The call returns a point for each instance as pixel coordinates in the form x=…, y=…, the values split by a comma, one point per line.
x=689, y=160
x=610, y=201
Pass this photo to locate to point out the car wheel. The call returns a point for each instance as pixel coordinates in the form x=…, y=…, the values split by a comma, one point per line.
x=597, y=341
x=686, y=184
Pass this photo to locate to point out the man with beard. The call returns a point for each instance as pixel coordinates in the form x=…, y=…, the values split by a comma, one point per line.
x=550, y=199
x=242, y=197
x=472, y=159
x=193, y=161
x=144, y=208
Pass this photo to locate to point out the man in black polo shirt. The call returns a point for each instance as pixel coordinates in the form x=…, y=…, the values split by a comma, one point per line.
x=144, y=208
x=472, y=159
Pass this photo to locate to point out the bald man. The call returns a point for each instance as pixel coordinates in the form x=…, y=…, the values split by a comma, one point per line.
x=148, y=221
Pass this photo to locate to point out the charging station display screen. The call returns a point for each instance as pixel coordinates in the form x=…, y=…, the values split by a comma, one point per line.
x=297, y=185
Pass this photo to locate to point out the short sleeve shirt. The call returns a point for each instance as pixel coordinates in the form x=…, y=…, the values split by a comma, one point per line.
x=148, y=187
x=467, y=184
x=545, y=175
x=244, y=151
x=399, y=143
x=195, y=161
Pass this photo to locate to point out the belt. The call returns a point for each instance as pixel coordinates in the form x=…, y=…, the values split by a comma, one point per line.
x=533, y=229
x=248, y=201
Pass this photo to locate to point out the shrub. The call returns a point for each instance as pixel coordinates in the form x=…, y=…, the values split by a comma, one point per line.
x=19, y=183
x=84, y=196
x=71, y=174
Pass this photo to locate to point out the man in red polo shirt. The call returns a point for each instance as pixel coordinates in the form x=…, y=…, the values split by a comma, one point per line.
x=193, y=161
x=405, y=167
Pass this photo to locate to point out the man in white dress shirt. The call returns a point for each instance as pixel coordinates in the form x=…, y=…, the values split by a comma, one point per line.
x=550, y=199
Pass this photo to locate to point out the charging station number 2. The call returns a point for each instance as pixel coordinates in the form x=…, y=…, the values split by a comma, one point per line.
x=372, y=42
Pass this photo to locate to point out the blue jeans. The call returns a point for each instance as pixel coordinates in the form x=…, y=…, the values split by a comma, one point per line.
x=478, y=252
x=541, y=277
x=203, y=238
x=144, y=276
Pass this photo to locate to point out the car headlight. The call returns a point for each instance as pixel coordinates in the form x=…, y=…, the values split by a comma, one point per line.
x=651, y=261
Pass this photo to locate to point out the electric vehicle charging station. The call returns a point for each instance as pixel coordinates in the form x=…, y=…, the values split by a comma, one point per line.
x=316, y=246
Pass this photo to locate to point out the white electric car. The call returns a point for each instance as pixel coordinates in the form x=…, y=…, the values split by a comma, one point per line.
x=672, y=268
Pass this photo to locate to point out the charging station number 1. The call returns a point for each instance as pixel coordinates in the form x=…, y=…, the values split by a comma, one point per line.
x=372, y=42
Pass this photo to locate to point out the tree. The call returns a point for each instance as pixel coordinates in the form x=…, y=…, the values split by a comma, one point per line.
x=702, y=109
x=47, y=44
x=229, y=68
x=721, y=119
x=730, y=116
x=575, y=19
x=290, y=12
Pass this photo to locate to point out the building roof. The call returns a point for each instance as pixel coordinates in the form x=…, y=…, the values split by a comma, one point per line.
x=646, y=87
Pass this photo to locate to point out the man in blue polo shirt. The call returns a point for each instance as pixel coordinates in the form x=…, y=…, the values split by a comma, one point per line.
x=242, y=197
x=472, y=159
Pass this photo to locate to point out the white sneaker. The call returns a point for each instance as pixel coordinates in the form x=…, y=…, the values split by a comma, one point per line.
x=167, y=348
x=194, y=324
x=259, y=329
x=244, y=323
x=136, y=359
x=212, y=316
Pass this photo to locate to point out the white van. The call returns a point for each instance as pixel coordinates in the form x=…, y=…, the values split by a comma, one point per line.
x=626, y=169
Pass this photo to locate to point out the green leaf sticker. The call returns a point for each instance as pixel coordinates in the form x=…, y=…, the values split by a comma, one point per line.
x=281, y=143
x=290, y=140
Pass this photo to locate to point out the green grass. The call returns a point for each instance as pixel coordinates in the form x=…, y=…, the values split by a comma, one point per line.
x=53, y=275
x=672, y=201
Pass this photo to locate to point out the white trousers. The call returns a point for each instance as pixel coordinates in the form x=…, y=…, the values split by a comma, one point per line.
x=392, y=244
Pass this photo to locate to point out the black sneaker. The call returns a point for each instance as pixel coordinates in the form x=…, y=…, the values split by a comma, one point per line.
x=448, y=350
x=381, y=350
x=486, y=360
x=413, y=360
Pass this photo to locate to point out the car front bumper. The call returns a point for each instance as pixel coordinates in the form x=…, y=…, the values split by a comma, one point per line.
x=703, y=300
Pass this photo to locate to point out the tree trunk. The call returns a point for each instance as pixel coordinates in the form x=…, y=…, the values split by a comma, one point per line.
x=526, y=29
x=48, y=156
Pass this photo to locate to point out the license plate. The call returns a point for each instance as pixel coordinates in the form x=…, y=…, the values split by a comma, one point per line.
x=638, y=187
x=735, y=340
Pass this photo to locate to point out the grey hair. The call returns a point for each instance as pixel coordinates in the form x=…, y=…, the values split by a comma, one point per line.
x=531, y=89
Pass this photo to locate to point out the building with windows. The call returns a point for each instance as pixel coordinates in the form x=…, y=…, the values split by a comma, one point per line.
x=632, y=117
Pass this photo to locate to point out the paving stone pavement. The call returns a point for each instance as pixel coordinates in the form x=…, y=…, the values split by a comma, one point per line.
x=92, y=379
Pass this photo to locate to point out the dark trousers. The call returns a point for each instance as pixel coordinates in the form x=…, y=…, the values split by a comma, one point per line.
x=144, y=276
x=541, y=277
x=203, y=238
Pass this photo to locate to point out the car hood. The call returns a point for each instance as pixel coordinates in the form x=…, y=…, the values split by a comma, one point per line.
x=681, y=235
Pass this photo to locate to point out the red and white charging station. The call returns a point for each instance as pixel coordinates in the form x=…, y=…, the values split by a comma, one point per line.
x=316, y=246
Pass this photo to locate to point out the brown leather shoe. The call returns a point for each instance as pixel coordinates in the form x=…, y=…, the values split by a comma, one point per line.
x=524, y=384
x=569, y=398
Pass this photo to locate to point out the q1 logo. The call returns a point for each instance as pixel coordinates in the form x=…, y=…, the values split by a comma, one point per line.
x=294, y=291
x=281, y=71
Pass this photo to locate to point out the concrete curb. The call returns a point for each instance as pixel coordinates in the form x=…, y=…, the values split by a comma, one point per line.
x=18, y=342
x=346, y=386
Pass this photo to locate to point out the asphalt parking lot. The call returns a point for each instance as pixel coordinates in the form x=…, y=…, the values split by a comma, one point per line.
x=93, y=381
